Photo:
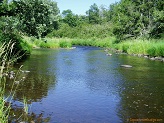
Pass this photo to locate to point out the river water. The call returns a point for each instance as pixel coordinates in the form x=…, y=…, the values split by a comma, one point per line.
x=84, y=85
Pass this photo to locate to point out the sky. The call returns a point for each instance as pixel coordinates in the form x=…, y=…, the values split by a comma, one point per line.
x=81, y=6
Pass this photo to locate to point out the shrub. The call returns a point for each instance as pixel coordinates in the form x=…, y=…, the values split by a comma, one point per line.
x=65, y=44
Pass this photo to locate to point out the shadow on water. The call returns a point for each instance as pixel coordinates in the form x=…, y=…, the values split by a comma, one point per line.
x=39, y=76
x=85, y=85
x=34, y=80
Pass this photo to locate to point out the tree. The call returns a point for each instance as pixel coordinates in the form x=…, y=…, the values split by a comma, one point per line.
x=93, y=14
x=9, y=33
x=36, y=16
x=6, y=9
x=69, y=18
x=138, y=18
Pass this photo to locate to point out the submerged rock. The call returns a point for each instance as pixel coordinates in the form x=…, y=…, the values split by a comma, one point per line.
x=146, y=56
x=109, y=54
x=152, y=58
x=126, y=66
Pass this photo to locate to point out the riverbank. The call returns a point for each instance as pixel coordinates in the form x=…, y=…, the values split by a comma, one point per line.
x=150, y=49
x=153, y=49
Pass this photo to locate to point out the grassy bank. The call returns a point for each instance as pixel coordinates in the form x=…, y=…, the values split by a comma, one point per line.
x=142, y=47
x=48, y=42
x=136, y=46
x=150, y=48
x=67, y=42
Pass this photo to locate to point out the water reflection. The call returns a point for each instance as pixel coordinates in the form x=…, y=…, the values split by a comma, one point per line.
x=142, y=94
x=39, y=79
x=102, y=73
x=85, y=85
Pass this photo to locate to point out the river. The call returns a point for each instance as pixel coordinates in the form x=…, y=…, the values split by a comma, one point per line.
x=84, y=85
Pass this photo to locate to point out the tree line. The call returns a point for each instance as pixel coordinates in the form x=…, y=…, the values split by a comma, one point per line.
x=39, y=18
x=126, y=19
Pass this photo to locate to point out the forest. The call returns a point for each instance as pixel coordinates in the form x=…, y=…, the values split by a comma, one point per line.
x=128, y=26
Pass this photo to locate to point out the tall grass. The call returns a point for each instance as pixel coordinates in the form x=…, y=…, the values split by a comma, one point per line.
x=67, y=42
x=5, y=51
x=6, y=59
x=135, y=46
x=144, y=47
x=49, y=42
x=105, y=42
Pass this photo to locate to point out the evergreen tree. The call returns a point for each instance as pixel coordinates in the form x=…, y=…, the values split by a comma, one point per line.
x=93, y=14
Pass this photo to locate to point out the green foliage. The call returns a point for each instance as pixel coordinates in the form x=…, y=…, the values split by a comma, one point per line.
x=156, y=49
x=93, y=14
x=145, y=47
x=6, y=59
x=49, y=42
x=137, y=19
x=3, y=112
x=36, y=17
x=9, y=33
x=69, y=18
x=6, y=9
x=65, y=44
x=84, y=31
x=106, y=42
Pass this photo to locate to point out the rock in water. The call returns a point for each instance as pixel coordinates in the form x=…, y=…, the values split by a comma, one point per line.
x=109, y=54
x=127, y=66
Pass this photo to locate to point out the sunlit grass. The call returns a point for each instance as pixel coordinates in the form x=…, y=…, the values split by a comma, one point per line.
x=49, y=42
x=135, y=46
x=144, y=47
x=106, y=42
x=6, y=60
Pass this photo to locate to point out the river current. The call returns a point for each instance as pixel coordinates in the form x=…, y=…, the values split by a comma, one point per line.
x=84, y=85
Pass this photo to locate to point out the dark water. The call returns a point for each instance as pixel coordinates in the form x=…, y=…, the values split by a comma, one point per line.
x=84, y=85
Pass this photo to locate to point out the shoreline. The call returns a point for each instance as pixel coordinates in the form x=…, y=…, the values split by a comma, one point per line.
x=152, y=58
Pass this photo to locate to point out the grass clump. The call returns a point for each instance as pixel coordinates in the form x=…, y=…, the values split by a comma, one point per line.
x=6, y=60
x=65, y=44
x=156, y=49
x=49, y=42
x=134, y=46
x=144, y=47
x=106, y=42
x=5, y=52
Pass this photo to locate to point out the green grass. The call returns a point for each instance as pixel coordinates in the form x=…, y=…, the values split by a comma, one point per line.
x=144, y=47
x=4, y=55
x=48, y=42
x=135, y=46
x=106, y=42
x=6, y=60
x=156, y=49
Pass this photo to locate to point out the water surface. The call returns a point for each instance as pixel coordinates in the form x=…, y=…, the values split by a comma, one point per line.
x=84, y=85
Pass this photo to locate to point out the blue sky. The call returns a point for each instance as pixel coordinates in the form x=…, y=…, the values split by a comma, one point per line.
x=81, y=6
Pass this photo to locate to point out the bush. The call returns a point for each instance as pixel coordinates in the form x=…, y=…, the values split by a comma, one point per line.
x=21, y=47
x=65, y=44
x=156, y=49
x=82, y=31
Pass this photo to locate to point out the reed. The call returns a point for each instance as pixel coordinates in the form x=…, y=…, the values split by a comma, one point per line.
x=6, y=59
x=5, y=51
